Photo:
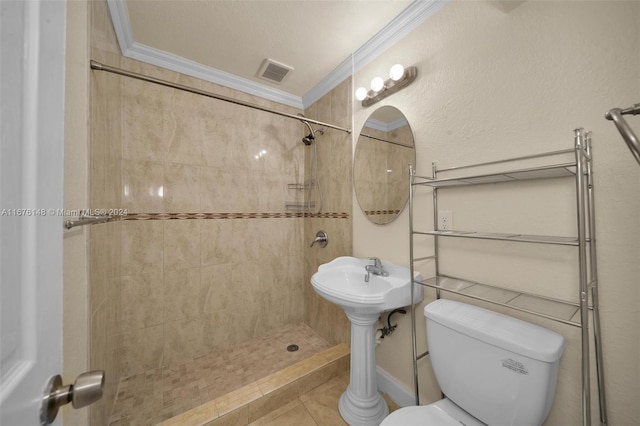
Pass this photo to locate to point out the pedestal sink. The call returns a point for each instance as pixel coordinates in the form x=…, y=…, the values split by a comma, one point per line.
x=344, y=281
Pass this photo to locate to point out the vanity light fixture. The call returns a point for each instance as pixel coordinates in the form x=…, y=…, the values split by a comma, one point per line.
x=399, y=77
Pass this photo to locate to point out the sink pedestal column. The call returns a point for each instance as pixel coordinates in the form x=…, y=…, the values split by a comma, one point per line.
x=361, y=404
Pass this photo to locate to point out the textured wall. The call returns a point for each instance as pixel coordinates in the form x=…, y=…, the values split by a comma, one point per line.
x=494, y=85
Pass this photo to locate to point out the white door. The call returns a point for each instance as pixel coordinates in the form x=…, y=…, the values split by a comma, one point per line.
x=31, y=189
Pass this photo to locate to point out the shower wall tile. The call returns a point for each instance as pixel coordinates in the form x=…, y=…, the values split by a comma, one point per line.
x=102, y=33
x=253, y=241
x=270, y=316
x=182, y=292
x=142, y=247
x=224, y=287
x=98, y=349
x=225, y=191
x=181, y=188
x=216, y=149
x=144, y=132
x=219, y=242
x=181, y=244
x=143, y=186
x=113, y=303
x=334, y=159
x=141, y=97
x=230, y=326
x=98, y=265
x=142, y=300
x=185, y=144
x=142, y=349
x=183, y=339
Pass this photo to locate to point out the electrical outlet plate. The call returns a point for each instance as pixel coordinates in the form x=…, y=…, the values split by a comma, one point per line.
x=445, y=220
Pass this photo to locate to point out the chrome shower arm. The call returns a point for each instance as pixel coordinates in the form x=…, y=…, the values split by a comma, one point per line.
x=625, y=130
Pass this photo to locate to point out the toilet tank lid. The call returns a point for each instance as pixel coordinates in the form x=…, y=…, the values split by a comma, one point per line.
x=503, y=331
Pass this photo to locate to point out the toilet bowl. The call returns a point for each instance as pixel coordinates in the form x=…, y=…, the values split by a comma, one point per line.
x=440, y=413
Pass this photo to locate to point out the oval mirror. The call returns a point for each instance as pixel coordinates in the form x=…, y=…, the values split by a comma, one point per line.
x=384, y=150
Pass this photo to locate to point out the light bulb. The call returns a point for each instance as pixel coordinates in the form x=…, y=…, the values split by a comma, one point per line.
x=377, y=84
x=361, y=93
x=396, y=72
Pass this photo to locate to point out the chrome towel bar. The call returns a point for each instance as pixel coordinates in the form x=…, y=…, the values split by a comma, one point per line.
x=87, y=220
x=625, y=130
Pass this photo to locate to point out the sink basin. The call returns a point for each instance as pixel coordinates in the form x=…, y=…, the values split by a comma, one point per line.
x=342, y=281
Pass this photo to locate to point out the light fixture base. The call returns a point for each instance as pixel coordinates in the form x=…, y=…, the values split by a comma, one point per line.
x=391, y=87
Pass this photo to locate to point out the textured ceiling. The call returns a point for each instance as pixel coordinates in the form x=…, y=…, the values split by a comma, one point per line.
x=235, y=36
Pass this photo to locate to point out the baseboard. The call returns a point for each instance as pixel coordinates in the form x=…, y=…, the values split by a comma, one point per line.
x=392, y=387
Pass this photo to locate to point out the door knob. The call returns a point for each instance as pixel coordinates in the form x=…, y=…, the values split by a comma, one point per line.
x=86, y=390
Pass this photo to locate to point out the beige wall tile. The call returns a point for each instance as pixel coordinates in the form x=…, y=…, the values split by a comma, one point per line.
x=227, y=327
x=142, y=300
x=142, y=186
x=181, y=188
x=143, y=126
x=181, y=244
x=142, y=246
x=185, y=144
x=224, y=287
x=183, y=339
x=218, y=239
x=142, y=349
x=182, y=293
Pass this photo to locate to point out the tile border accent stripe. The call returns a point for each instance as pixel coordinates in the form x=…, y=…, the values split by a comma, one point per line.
x=374, y=212
x=191, y=216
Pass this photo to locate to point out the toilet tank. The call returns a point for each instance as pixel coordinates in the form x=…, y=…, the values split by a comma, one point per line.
x=499, y=369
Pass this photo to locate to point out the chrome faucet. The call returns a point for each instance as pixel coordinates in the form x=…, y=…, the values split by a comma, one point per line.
x=375, y=269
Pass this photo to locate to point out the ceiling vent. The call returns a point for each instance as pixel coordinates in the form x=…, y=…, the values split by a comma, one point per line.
x=274, y=71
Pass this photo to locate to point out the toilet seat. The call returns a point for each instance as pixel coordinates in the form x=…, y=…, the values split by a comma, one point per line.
x=440, y=413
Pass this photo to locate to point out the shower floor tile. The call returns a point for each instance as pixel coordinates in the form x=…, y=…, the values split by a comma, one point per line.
x=153, y=396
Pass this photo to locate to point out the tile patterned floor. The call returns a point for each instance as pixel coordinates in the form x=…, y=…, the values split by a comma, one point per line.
x=153, y=396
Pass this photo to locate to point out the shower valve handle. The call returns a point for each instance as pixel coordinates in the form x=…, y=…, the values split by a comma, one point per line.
x=321, y=238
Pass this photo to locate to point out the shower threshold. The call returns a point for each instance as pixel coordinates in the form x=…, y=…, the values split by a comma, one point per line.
x=213, y=385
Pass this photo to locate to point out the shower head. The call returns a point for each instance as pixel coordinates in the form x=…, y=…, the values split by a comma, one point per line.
x=308, y=140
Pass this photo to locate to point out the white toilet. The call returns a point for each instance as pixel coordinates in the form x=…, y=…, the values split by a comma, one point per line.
x=493, y=369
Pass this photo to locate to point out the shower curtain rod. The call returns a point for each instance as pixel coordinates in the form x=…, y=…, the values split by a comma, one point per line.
x=102, y=67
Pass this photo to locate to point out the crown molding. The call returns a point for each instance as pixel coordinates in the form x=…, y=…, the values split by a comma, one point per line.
x=416, y=13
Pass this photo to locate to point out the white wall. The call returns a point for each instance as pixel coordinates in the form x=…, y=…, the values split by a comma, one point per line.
x=495, y=84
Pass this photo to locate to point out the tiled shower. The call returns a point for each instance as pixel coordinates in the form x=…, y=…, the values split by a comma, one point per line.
x=207, y=256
